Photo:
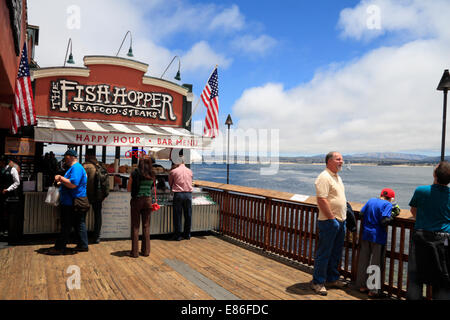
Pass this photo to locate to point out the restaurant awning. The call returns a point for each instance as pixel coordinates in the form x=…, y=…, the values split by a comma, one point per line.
x=82, y=132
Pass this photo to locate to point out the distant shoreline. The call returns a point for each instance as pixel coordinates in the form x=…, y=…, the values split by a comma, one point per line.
x=321, y=164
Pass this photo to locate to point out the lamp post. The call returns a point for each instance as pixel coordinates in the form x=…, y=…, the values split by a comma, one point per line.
x=178, y=75
x=444, y=85
x=228, y=122
x=130, y=51
x=70, y=60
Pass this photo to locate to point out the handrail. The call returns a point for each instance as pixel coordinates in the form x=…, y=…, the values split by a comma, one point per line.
x=271, y=220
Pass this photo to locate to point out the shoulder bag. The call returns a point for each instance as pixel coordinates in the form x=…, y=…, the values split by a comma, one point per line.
x=155, y=206
x=81, y=204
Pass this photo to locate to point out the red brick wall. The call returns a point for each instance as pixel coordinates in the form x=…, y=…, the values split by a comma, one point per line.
x=9, y=62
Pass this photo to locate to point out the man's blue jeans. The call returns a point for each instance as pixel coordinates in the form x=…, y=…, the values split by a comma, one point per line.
x=329, y=250
x=79, y=223
x=66, y=216
x=182, y=202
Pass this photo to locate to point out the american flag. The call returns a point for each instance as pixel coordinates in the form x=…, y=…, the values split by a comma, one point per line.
x=23, y=112
x=210, y=97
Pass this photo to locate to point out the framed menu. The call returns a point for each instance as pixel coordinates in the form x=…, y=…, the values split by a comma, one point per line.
x=20, y=146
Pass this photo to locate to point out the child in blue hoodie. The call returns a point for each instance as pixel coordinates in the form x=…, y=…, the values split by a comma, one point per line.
x=377, y=213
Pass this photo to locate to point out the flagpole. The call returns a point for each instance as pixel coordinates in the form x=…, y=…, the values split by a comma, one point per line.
x=198, y=100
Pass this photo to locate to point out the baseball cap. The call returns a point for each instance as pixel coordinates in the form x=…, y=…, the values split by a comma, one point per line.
x=71, y=152
x=388, y=193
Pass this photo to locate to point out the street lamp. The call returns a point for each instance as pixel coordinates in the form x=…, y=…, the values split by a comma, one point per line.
x=178, y=75
x=70, y=60
x=130, y=51
x=228, y=122
x=444, y=85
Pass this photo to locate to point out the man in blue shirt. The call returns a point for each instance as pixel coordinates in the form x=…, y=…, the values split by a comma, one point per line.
x=429, y=255
x=73, y=186
x=376, y=214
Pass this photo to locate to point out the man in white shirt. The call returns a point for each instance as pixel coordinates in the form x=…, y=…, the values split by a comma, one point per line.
x=332, y=205
x=9, y=184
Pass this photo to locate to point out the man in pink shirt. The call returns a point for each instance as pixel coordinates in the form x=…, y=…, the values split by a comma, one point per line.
x=180, y=181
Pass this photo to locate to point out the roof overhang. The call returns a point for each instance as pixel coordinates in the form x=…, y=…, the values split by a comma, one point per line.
x=82, y=132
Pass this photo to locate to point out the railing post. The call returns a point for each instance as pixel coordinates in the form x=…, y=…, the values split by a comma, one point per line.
x=267, y=222
x=225, y=229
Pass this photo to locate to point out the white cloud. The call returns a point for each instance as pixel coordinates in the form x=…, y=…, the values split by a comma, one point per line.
x=384, y=101
x=201, y=56
x=416, y=18
x=254, y=45
x=102, y=26
x=229, y=19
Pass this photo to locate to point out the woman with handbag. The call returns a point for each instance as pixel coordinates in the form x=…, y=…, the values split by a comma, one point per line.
x=140, y=185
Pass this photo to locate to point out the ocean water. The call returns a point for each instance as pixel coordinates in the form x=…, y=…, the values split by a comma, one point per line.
x=362, y=182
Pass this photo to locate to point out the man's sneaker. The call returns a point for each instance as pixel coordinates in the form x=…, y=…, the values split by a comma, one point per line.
x=319, y=288
x=337, y=284
x=81, y=249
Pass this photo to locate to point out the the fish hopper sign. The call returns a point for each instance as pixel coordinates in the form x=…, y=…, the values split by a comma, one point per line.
x=111, y=103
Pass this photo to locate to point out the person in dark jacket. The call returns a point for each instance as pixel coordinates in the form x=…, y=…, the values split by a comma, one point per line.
x=140, y=185
x=91, y=165
x=429, y=254
x=9, y=192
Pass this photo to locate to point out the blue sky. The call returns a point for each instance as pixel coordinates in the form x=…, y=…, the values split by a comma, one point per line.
x=314, y=72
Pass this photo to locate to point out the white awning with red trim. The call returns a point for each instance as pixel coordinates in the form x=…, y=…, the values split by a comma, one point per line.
x=82, y=132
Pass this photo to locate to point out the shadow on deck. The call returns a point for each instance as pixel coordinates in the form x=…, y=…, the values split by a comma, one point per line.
x=207, y=267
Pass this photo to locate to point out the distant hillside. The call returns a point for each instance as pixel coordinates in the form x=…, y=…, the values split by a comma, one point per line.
x=380, y=158
x=387, y=156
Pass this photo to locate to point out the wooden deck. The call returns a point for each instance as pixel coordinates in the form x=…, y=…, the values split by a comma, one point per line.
x=204, y=268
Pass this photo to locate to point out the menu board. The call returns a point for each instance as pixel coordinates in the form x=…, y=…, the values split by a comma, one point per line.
x=19, y=146
x=116, y=216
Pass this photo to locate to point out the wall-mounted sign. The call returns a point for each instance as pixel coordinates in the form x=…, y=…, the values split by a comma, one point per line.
x=116, y=139
x=19, y=146
x=109, y=89
x=135, y=153
x=110, y=100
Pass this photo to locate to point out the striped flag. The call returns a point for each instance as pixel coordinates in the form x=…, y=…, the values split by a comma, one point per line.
x=23, y=113
x=210, y=97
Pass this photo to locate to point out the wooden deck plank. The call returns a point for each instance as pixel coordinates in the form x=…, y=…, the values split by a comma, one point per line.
x=226, y=269
x=251, y=270
x=222, y=271
x=252, y=284
x=108, y=273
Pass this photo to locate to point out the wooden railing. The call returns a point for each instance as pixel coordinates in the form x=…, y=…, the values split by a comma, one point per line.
x=272, y=221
